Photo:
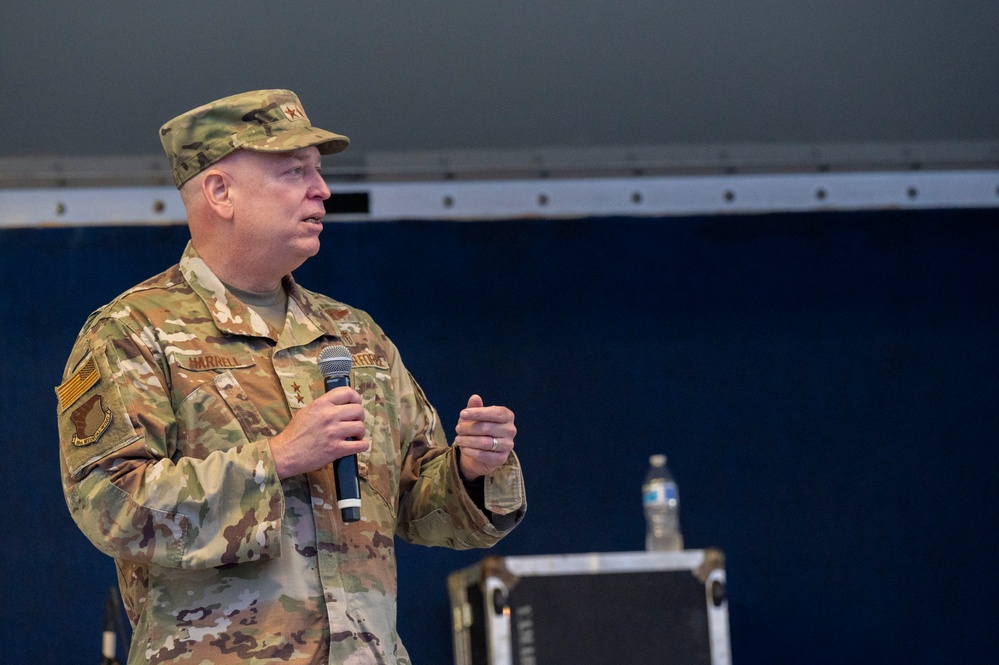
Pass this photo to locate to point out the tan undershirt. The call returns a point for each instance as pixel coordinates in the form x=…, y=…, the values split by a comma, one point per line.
x=272, y=306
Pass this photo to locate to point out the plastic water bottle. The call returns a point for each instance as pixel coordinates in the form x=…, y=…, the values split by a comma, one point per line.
x=661, y=500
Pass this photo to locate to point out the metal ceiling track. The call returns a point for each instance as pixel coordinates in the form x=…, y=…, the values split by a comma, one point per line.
x=482, y=185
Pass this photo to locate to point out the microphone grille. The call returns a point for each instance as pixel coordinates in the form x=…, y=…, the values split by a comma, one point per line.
x=335, y=360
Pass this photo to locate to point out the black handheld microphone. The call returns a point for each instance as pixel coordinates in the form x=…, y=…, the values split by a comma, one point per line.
x=335, y=364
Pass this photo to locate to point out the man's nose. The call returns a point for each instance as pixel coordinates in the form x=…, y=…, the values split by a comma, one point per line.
x=319, y=186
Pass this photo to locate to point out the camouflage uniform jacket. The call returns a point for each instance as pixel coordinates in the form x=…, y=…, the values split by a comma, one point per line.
x=165, y=410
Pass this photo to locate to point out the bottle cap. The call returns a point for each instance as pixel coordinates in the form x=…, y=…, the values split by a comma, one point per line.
x=657, y=460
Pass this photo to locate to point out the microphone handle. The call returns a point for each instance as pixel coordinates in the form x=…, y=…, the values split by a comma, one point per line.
x=348, y=491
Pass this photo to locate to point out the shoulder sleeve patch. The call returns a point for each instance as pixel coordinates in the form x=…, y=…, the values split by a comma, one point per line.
x=93, y=420
x=82, y=380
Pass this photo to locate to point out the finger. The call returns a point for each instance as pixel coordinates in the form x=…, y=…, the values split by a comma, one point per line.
x=342, y=395
x=330, y=413
x=353, y=446
x=490, y=443
x=491, y=424
x=482, y=437
x=490, y=414
x=474, y=402
x=347, y=430
x=497, y=444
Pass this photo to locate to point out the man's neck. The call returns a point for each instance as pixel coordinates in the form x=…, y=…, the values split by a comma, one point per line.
x=235, y=271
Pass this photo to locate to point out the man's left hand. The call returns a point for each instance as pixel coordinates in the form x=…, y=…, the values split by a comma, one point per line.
x=485, y=436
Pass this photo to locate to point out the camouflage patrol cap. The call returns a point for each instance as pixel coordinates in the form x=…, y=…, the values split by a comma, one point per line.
x=261, y=120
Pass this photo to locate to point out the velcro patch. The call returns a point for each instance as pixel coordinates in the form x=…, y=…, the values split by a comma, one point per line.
x=91, y=419
x=368, y=358
x=93, y=422
x=211, y=361
x=338, y=314
x=85, y=378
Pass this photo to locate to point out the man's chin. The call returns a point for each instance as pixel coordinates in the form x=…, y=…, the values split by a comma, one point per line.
x=309, y=247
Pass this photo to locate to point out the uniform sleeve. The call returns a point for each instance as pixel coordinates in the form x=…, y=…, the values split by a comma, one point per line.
x=435, y=507
x=128, y=487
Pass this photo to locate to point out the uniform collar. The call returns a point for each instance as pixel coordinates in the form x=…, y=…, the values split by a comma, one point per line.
x=305, y=321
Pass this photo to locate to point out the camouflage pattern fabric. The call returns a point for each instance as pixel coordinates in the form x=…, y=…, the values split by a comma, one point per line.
x=263, y=120
x=166, y=406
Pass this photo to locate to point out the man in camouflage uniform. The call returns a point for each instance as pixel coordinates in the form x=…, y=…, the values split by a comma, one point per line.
x=197, y=436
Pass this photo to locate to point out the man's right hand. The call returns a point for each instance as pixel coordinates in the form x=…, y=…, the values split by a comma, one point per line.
x=319, y=433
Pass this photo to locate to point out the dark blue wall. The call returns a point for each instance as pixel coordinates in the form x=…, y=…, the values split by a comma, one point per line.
x=825, y=386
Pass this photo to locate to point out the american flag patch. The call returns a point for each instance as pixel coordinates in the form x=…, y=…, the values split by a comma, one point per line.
x=81, y=381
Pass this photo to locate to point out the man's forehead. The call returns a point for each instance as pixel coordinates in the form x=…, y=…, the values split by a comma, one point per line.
x=309, y=154
x=309, y=151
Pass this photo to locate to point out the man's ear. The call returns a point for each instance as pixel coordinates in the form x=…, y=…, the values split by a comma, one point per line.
x=216, y=186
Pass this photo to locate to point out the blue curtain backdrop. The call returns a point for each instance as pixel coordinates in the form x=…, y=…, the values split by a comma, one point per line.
x=825, y=386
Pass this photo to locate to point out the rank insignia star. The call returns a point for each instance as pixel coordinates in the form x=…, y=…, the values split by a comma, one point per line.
x=297, y=397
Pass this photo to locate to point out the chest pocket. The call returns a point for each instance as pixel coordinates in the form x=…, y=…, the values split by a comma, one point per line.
x=379, y=467
x=215, y=413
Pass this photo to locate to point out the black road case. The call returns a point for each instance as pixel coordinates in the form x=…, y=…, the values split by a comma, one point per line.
x=588, y=609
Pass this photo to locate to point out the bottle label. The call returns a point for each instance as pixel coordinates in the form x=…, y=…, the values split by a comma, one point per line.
x=660, y=493
x=654, y=493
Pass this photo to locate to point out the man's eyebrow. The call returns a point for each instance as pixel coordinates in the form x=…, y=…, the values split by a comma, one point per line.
x=302, y=157
x=286, y=160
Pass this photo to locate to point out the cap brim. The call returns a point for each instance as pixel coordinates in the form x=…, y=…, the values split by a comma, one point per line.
x=300, y=137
